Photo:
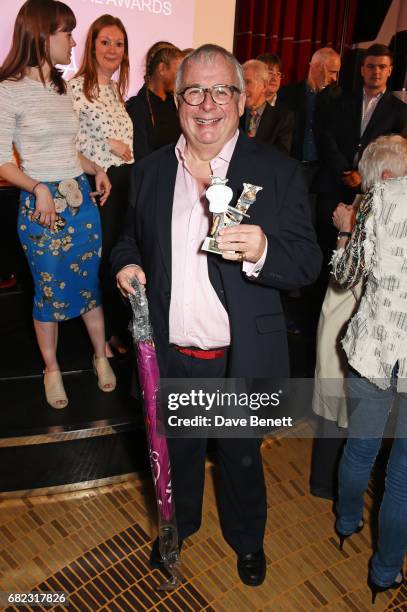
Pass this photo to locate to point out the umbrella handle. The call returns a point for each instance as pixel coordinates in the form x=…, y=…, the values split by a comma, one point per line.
x=175, y=580
x=140, y=326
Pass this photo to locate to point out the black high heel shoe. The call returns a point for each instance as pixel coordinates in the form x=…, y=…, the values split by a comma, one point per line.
x=342, y=537
x=375, y=588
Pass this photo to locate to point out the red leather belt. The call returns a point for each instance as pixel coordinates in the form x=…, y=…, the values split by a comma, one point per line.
x=201, y=353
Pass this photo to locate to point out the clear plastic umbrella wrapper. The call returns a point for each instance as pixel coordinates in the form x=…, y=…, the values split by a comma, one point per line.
x=149, y=377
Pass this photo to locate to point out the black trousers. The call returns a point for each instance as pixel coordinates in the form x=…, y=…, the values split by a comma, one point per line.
x=242, y=490
x=309, y=170
x=112, y=216
x=326, y=454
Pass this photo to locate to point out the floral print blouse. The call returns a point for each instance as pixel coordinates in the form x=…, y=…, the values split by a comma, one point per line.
x=106, y=117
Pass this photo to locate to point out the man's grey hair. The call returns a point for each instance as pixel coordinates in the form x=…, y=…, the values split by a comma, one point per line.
x=321, y=56
x=385, y=153
x=207, y=54
x=259, y=68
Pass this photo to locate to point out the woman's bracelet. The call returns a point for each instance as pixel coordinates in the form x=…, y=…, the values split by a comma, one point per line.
x=35, y=187
x=344, y=235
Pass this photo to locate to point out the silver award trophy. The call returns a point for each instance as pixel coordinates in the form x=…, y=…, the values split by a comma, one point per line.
x=219, y=195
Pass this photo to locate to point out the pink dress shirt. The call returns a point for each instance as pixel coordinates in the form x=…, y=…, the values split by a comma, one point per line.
x=197, y=316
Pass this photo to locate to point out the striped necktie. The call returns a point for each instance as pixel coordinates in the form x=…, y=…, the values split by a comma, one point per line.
x=252, y=128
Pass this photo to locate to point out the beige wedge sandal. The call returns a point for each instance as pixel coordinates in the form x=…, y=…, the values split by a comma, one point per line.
x=105, y=375
x=54, y=390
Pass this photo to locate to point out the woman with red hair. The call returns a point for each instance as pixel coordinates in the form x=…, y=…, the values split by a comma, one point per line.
x=58, y=221
x=106, y=137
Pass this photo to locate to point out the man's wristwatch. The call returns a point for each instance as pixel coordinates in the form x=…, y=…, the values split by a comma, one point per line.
x=344, y=235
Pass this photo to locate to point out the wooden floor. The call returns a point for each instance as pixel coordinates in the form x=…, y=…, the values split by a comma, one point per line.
x=95, y=544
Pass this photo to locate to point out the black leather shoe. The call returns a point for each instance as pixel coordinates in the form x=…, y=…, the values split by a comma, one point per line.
x=156, y=561
x=252, y=568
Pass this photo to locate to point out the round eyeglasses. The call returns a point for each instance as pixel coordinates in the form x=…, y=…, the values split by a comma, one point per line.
x=220, y=94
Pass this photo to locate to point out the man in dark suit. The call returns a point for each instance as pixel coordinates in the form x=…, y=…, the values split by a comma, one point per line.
x=311, y=100
x=275, y=69
x=357, y=119
x=268, y=124
x=217, y=316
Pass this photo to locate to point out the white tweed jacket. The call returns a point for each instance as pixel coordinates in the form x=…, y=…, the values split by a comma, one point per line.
x=376, y=337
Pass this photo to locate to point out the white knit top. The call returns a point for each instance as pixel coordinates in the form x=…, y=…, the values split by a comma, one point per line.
x=103, y=118
x=376, y=337
x=42, y=125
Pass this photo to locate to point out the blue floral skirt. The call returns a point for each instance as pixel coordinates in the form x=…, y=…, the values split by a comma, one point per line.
x=64, y=263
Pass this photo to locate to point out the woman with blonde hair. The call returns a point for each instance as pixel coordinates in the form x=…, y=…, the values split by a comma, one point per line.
x=106, y=137
x=58, y=222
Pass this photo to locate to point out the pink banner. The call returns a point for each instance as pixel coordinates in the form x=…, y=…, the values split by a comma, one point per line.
x=146, y=21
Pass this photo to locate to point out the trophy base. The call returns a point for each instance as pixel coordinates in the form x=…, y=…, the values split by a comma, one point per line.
x=211, y=246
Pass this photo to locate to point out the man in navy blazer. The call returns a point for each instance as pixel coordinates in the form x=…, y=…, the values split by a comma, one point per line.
x=356, y=120
x=236, y=293
x=311, y=101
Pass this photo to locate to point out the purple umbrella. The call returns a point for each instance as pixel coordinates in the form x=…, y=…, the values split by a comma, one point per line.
x=149, y=377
